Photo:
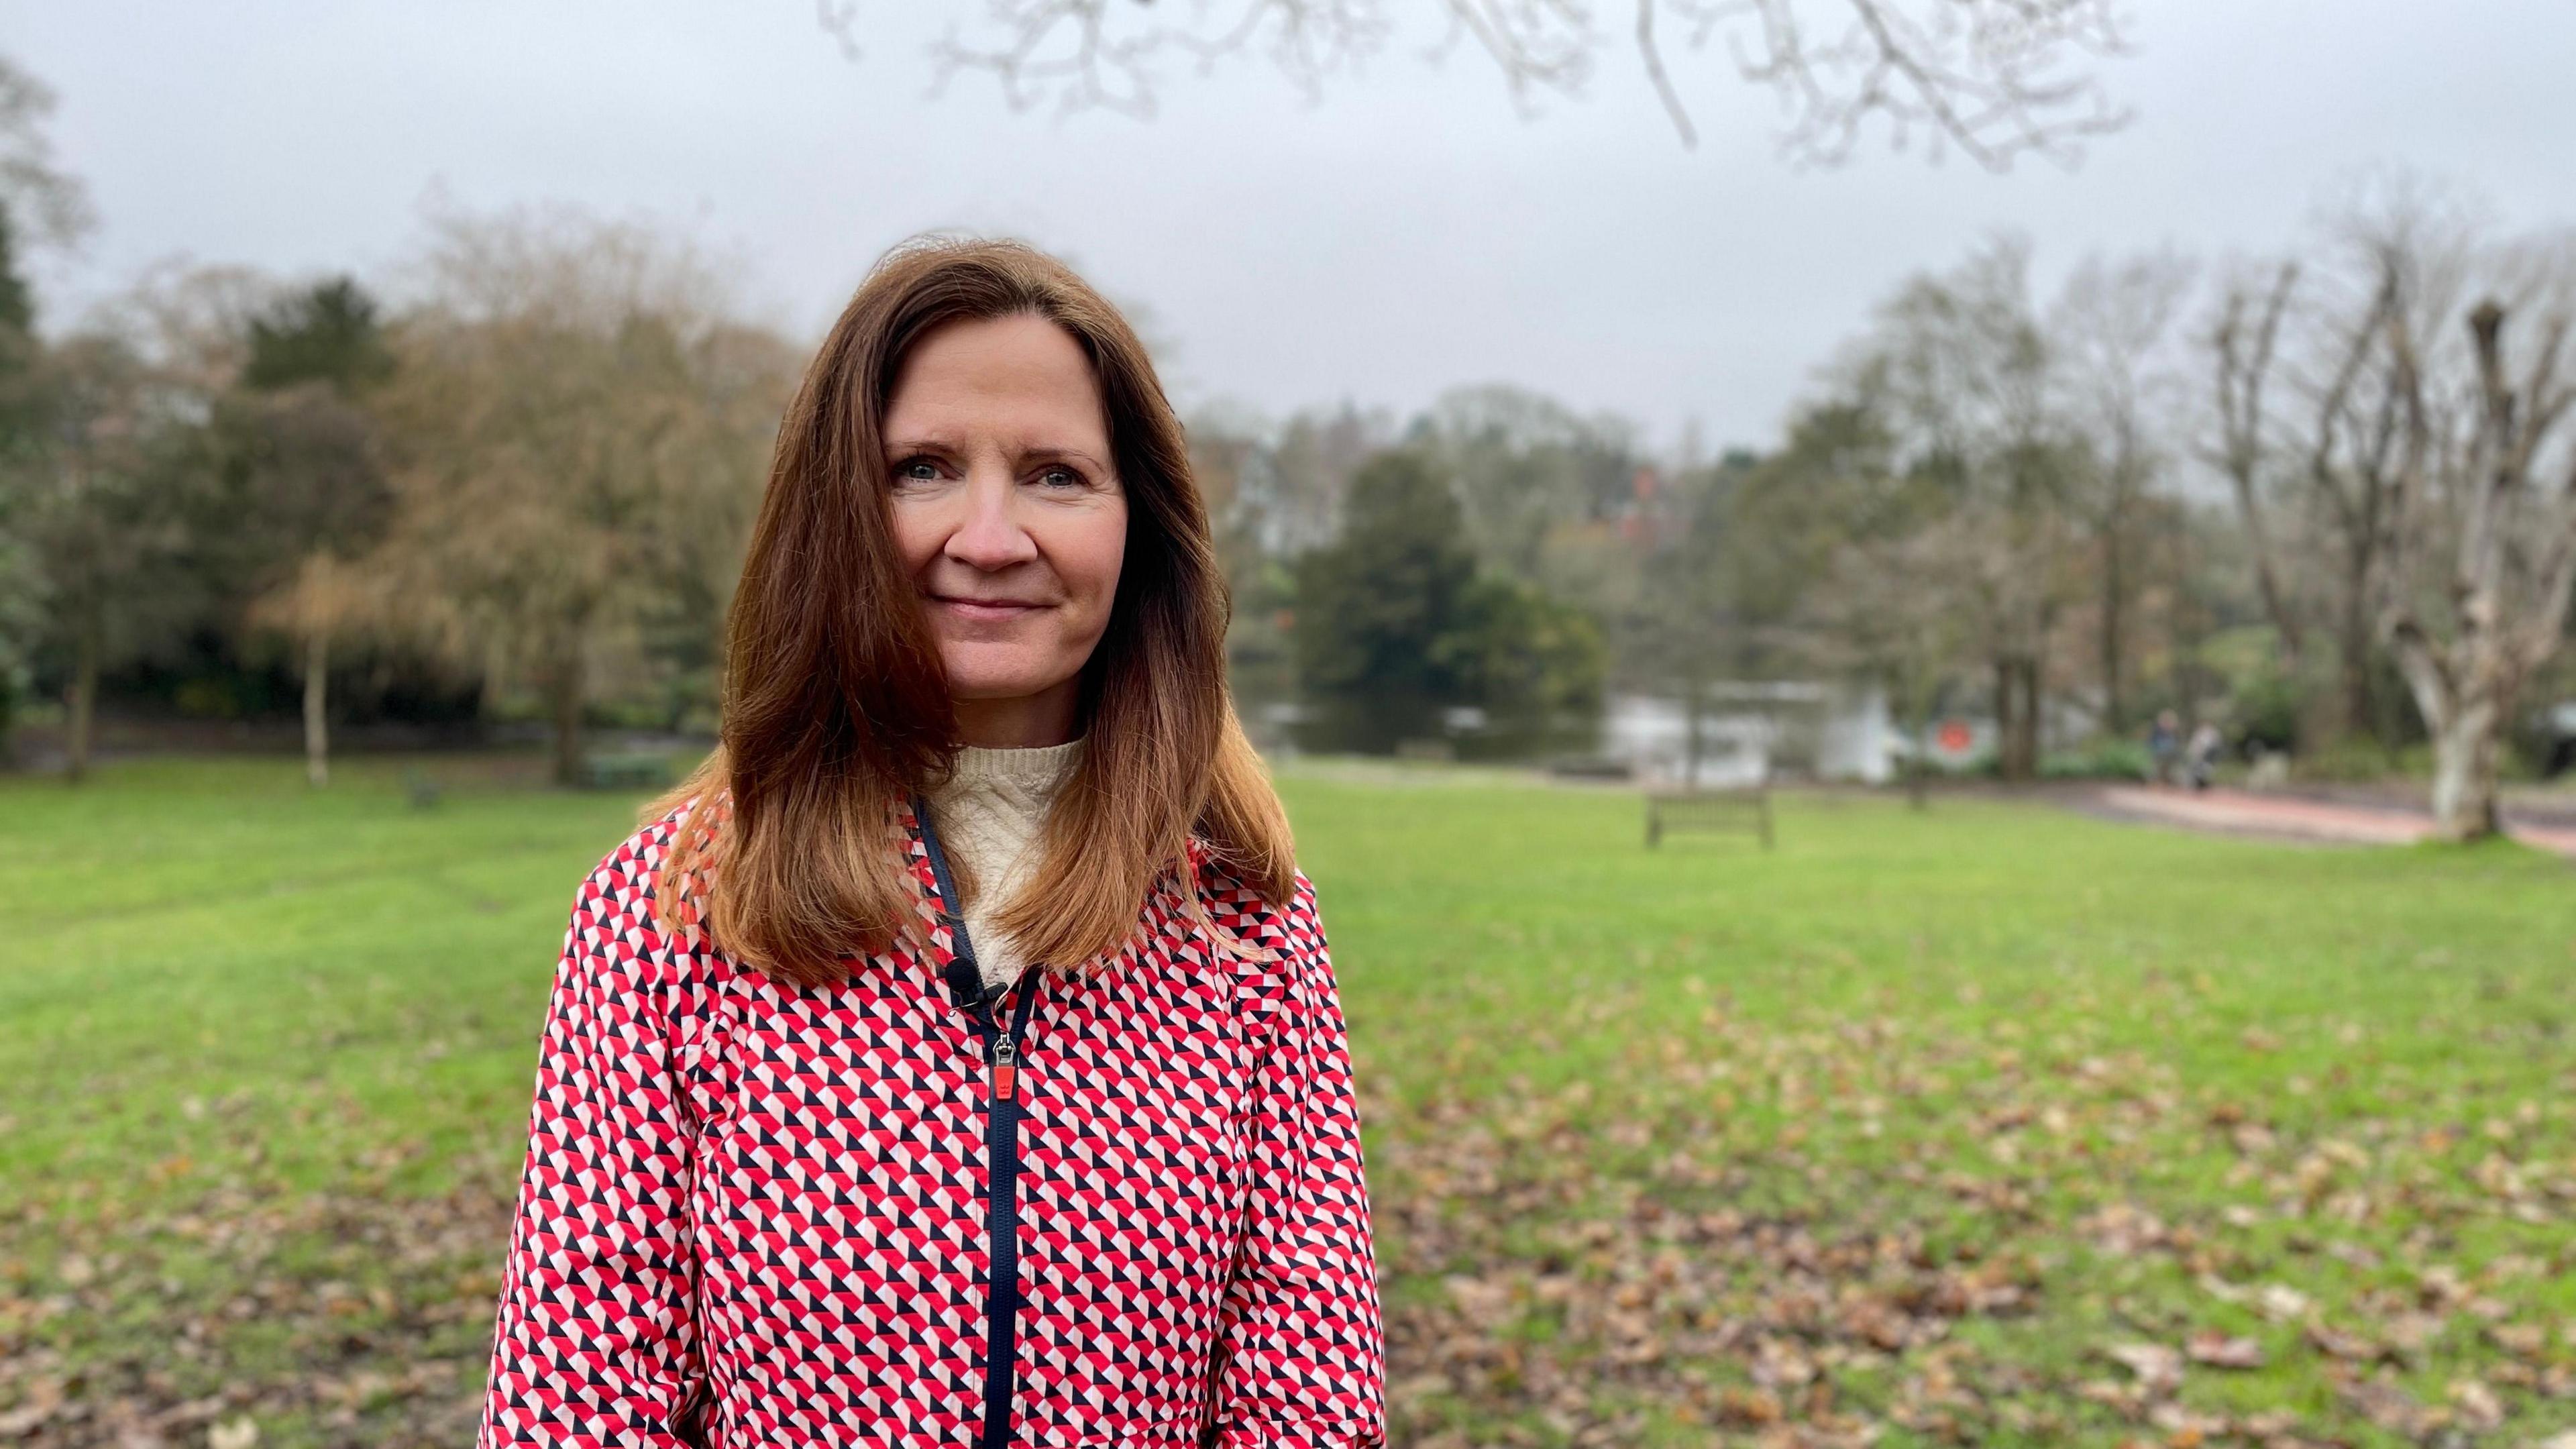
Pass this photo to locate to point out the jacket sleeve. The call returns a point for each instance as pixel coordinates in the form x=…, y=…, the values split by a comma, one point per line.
x=593, y=1332
x=1303, y=1349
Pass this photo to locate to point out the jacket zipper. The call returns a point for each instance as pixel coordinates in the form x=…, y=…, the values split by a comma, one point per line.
x=1002, y=1034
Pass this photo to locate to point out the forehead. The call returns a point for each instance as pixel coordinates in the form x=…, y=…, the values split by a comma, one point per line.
x=1008, y=374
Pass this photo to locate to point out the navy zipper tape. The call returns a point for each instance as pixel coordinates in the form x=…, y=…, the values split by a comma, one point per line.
x=949, y=908
x=1002, y=1151
x=1002, y=1213
x=965, y=976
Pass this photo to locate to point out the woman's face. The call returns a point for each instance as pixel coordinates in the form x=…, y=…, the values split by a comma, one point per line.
x=1010, y=518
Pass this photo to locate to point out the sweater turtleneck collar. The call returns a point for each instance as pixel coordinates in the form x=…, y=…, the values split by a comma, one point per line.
x=1039, y=768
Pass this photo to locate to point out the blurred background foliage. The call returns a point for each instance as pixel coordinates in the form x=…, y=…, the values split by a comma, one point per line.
x=501, y=498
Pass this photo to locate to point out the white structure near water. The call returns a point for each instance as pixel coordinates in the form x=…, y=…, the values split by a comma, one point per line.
x=1753, y=732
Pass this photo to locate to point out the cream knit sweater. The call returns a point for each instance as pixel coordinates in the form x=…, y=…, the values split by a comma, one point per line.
x=992, y=816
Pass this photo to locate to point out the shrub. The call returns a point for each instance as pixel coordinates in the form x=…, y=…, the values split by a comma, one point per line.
x=2102, y=760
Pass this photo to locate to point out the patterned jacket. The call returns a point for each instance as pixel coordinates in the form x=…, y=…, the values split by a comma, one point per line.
x=1126, y=1209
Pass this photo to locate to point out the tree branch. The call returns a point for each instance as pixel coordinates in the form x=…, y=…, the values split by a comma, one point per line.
x=1655, y=71
x=2242, y=370
x=2428, y=672
x=1988, y=77
x=1976, y=74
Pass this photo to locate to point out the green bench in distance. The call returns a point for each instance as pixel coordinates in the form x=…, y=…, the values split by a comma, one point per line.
x=1708, y=810
x=625, y=772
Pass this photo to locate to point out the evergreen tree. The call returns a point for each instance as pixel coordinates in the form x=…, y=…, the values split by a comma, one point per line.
x=302, y=469
x=1394, y=625
x=20, y=598
x=1374, y=606
x=326, y=333
x=17, y=303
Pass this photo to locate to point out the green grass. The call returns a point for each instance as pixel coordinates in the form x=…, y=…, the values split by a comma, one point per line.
x=1900, y=1128
x=332, y=971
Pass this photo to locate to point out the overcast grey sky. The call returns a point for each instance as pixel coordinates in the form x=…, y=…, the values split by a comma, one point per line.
x=1409, y=233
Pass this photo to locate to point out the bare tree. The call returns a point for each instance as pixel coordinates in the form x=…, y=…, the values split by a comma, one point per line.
x=1993, y=79
x=96, y=503
x=2479, y=526
x=304, y=468
x=2353, y=457
x=578, y=427
x=2397, y=256
x=1291, y=488
x=1903, y=609
x=191, y=320
x=2108, y=330
x=1971, y=386
x=325, y=600
x=1528, y=468
x=2243, y=342
x=2310, y=425
x=51, y=204
x=303, y=477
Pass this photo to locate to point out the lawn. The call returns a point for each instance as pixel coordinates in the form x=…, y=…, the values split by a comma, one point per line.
x=1988, y=1124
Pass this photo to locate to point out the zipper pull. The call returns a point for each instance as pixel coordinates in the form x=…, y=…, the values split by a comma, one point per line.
x=1006, y=1067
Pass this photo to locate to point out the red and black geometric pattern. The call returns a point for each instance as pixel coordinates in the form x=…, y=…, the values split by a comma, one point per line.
x=783, y=1188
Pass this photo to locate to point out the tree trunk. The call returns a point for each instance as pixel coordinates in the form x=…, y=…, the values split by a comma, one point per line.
x=2465, y=694
x=1918, y=765
x=2115, y=710
x=2029, y=672
x=2003, y=719
x=84, y=701
x=2276, y=606
x=1694, y=713
x=2017, y=718
x=2465, y=752
x=317, y=718
x=2360, y=637
x=564, y=687
x=496, y=674
x=2321, y=720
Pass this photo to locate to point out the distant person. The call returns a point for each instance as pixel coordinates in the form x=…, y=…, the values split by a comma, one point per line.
x=2163, y=737
x=955, y=1058
x=2201, y=755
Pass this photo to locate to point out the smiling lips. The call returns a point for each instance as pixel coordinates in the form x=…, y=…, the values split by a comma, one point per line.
x=988, y=609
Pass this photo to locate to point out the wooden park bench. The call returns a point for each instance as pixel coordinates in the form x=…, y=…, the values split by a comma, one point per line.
x=1708, y=810
x=625, y=772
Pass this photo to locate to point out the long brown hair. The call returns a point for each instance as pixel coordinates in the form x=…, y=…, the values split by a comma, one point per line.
x=836, y=709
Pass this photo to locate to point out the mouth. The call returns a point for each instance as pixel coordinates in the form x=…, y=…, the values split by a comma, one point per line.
x=987, y=609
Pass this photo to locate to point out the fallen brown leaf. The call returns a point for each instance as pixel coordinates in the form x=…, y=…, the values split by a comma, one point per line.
x=2159, y=1369
x=2220, y=1351
x=2335, y=1343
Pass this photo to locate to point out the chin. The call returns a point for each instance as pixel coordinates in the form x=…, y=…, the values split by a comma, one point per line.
x=987, y=678
x=1006, y=669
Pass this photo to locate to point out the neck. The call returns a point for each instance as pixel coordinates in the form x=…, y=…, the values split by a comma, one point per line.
x=1030, y=721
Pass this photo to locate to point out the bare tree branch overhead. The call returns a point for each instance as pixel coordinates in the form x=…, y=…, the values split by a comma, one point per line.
x=1992, y=79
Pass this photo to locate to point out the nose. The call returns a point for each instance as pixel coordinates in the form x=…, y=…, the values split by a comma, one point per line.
x=990, y=536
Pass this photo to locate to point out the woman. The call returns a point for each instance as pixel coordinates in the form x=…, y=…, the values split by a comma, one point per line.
x=955, y=1058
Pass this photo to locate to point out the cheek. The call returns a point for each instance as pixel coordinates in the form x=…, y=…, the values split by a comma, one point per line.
x=1093, y=556
x=919, y=530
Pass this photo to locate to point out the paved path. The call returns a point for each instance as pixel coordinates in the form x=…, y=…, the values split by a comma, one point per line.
x=2244, y=812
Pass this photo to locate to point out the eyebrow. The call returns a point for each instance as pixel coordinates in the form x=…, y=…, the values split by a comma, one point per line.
x=900, y=447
